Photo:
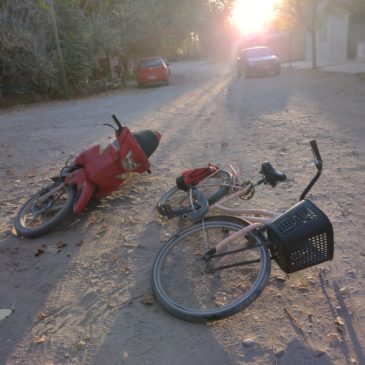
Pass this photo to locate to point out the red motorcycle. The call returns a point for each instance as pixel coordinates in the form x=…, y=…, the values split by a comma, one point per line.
x=95, y=172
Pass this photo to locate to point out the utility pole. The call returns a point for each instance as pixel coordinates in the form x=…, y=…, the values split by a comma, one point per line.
x=59, y=51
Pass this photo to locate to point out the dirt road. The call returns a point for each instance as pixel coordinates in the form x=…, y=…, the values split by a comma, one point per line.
x=77, y=294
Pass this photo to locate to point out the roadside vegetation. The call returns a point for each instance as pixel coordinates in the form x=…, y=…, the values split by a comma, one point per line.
x=69, y=47
x=65, y=48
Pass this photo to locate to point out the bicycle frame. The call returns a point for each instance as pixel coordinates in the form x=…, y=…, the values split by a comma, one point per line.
x=256, y=218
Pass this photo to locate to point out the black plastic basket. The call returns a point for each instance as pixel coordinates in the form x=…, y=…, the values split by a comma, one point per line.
x=301, y=237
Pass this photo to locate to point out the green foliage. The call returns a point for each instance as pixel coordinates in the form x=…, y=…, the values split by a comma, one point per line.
x=24, y=61
x=92, y=31
x=75, y=43
x=309, y=13
x=357, y=6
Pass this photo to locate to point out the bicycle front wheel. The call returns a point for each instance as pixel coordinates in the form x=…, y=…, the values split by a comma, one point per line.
x=195, y=289
x=214, y=188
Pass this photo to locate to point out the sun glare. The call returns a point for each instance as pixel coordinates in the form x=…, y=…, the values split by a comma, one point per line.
x=251, y=16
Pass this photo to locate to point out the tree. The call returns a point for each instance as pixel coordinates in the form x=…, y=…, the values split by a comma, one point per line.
x=310, y=13
x=93, y=30
x=24, y=61
x=353, y=5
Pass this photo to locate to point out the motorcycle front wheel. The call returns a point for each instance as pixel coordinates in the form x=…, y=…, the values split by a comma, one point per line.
x=45, y=210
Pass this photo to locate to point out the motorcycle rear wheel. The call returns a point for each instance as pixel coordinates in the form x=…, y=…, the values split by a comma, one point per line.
x=39, y=216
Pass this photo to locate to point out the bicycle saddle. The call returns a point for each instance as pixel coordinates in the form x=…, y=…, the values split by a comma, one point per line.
x=271, y=175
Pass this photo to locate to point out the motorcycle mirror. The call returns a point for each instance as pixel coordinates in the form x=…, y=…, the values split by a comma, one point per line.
x=111, y=126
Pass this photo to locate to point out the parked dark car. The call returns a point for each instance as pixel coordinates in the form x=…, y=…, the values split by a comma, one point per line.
x=153, y=70
x=258, y=60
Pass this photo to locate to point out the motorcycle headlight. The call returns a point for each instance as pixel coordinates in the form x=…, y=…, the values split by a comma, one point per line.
x=128, y=162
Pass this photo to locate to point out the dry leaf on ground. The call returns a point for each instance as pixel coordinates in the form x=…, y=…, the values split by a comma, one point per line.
x=41, y=250
x=41, y=316
x=81, y=344
x=126, y=270
x=5, y=313
x=61, y=244
x=13, y=231
x=80, y=243
x=39, y=339
x=148, y=299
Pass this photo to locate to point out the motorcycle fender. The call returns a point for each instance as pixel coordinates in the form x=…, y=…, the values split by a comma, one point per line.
x=85, y=189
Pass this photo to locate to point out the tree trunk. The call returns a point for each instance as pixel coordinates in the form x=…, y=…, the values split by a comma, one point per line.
x=125, y=68
x=290, y=48
x=59, y=52
x=314, y=48
x=313, y=31
x=109, y=67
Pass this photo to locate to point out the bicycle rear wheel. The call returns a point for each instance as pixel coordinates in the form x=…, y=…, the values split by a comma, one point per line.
x=214, y=188
x=194, y=289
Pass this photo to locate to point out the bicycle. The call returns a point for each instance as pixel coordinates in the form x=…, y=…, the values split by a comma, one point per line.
x=220, y=265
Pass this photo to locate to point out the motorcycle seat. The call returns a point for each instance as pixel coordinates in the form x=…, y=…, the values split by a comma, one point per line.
x=148, y=141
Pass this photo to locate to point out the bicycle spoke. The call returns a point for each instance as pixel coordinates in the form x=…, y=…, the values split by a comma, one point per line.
x=193, y=284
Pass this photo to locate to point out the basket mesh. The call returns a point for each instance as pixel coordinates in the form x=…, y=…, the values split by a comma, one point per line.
x=301, y=237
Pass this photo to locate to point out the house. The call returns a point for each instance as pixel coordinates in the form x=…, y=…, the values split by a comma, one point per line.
x=356, y=44
x=341, y=36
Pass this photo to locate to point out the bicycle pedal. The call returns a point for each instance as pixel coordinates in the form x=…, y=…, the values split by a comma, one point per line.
x=164, y=209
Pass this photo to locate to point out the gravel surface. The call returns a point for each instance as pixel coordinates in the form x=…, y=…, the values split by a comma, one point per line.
x=78, y=295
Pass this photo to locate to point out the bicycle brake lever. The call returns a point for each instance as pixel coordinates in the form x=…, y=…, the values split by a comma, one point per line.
x=202, y=204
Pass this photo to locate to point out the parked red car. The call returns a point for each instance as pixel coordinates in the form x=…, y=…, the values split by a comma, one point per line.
x=153, y=70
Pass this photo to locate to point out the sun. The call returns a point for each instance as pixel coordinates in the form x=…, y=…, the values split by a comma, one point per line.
x=251, y=16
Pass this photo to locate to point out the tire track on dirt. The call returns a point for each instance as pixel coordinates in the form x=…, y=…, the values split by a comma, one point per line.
x=82, y=308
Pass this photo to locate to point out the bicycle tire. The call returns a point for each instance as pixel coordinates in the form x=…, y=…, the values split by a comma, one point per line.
x=66, y=195
x=213, y=191
x=183, y=286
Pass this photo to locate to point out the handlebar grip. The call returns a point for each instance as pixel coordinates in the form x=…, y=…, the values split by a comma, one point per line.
x=117, y=122
x=316, y=154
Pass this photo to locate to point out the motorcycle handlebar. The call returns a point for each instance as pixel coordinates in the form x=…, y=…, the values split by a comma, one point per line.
x=117, y=122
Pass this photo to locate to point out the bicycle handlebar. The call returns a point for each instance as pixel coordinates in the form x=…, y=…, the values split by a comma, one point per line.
x=319, y=164
x=317, y=156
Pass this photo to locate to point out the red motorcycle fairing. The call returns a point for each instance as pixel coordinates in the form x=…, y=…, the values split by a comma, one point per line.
x=103, y=170
x=85, y=189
